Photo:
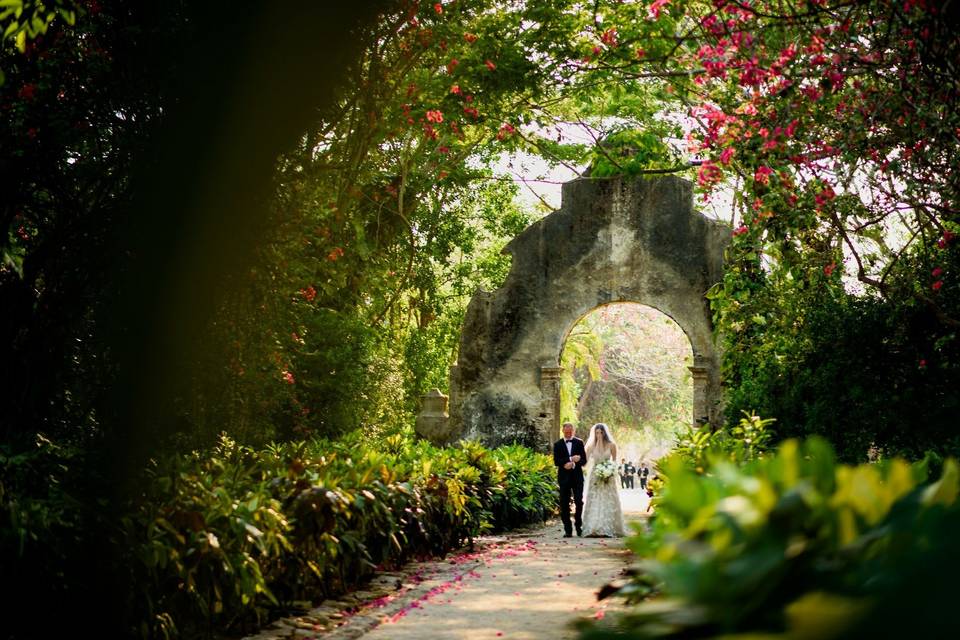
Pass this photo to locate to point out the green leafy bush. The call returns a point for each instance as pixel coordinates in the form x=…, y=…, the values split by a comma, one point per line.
x=865, y=372
x=790, y=544
x=747, y=440
x=632, y=151
x=223, y=537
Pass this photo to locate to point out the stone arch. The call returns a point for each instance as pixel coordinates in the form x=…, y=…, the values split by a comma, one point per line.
x=576, y=321
x=613, y=240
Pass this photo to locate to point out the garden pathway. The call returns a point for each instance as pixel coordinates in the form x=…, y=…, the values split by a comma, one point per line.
x=522, y=586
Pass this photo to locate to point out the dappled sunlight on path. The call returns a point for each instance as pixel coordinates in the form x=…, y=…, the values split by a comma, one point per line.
x=524, y=586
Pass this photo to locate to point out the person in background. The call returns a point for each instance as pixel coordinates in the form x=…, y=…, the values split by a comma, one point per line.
x=629, y=471
x=644, y=474
x=622, y=469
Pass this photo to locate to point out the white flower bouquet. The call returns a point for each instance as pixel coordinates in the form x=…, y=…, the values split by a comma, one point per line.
x=605, y=470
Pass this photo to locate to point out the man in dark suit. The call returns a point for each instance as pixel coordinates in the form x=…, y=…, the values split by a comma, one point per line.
x=570, y=455
x=629, y=471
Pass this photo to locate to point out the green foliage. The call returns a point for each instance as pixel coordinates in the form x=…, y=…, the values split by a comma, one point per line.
x=581, y=351
x=865, y=372
x=747, y=440
x=784, y=544
x=24, y=20
x=384, y=216
x=226, y=536
x=631, y=152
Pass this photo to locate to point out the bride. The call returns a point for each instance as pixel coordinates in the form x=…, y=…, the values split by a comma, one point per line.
x=602, y=515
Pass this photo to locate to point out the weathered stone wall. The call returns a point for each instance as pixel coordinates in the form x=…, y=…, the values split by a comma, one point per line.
x=613, y=240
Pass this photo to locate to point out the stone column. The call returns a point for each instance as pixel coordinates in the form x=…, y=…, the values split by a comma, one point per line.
x=701, y=383
x=453, y=405
x=550, y=409
x=433, y=422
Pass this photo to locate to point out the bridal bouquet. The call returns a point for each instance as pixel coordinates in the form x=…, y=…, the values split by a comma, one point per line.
x=605, y=470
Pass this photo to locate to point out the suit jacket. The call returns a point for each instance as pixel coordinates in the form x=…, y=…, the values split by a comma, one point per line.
x=569, y=477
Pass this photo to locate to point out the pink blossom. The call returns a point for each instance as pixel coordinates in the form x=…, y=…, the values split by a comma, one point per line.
x=937, y=272
x=715, y=68
x=742, y=39
x=936, y=285
x=27, y=92
x=709, y=174
x=786, y=55
x=762, y=175
x=752, y=74
x=726, y=155
x=609, y=37
x=712, y=24
x=434, y=116
x=655, y=7
x=811, y=92
x=742, y=229
x=824, y=196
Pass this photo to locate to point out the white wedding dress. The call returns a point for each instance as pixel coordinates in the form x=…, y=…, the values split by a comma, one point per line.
x=602, y=515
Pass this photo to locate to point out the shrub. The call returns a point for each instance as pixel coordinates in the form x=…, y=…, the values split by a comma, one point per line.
x=224, y=538
x=790, y=543
x=221, y=539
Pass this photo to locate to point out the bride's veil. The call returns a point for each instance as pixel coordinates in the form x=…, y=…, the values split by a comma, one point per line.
x=596, y=445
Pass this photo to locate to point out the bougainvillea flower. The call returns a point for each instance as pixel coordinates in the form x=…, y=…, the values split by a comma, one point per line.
x=762, y=174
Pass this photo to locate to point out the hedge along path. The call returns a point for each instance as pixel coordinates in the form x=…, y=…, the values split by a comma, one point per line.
x=523, y=586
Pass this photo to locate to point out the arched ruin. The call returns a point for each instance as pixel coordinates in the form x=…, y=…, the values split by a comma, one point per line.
x=613, y=240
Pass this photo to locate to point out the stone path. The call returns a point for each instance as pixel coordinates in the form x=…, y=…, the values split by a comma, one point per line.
x=523, y=586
